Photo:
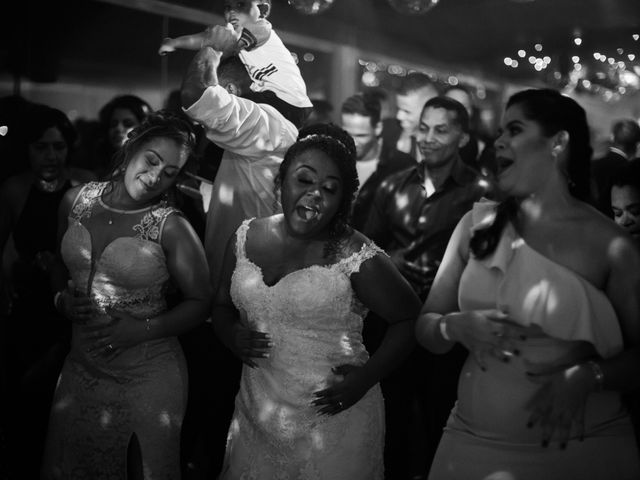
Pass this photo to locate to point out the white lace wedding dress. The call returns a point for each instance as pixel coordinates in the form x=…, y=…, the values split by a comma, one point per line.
x=315, y=321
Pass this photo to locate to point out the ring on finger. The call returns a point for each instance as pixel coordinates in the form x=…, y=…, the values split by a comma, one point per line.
x=340, y=405
x=109, y=347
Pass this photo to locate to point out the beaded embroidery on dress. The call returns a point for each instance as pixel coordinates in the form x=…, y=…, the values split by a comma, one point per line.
x=99, y=404
x=315, y=322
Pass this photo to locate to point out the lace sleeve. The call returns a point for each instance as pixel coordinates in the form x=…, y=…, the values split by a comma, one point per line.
x=86, y=199
x=352, y=263
x=241, y=238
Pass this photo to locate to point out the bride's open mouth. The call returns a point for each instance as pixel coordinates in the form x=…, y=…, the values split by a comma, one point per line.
x=307, y=213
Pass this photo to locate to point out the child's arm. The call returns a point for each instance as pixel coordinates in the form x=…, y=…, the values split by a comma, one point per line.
x=188, y=42
x=254, y=34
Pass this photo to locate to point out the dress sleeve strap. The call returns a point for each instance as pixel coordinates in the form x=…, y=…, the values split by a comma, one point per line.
x=351, y=264
x=241, y=239
x=86, y=199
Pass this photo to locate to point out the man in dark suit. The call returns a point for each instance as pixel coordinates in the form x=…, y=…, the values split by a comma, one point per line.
x=625, y=138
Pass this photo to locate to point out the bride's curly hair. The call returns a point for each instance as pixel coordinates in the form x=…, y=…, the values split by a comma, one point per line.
x=338, y=145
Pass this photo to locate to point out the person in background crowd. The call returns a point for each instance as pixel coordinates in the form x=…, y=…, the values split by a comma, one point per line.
x=387, y=103
x=115, y=120
x=37, y=338
x=120, y=399
x=470, y=153
x=625, y=137
x=416, y=88
x=413, y=215
x=296, y=287
x=321, y=112
x=375, y=161
x=544, y=293
x=625, y=198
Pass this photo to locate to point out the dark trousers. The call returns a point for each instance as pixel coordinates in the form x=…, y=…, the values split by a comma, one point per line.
x=418, y=396
x=214, y=379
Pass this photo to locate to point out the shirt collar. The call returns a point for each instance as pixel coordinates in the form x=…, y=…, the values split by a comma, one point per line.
x=619, y=152
x=460, y=173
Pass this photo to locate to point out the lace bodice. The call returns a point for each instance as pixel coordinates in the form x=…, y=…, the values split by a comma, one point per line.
x=129, y=272
x=312, y=314
x=315, y=322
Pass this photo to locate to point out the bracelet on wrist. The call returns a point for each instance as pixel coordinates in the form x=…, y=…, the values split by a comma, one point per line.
x=597, y=374
x=442, y=325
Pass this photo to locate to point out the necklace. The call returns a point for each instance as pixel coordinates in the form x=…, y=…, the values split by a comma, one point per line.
x=111, y=210
x=48, y=186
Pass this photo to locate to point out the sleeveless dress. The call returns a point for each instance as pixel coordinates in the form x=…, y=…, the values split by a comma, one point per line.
x=315, y=321
x=486, y=436
x=100, y=405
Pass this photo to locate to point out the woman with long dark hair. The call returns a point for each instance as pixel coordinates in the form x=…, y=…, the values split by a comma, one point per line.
x=544, y=292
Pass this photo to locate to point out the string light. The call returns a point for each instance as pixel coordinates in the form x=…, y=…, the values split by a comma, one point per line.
x=611, y=74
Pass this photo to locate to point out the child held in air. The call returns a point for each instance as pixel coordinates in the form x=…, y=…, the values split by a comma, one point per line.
x=276, y=79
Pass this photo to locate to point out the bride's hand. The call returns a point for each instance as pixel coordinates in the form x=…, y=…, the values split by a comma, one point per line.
x=347, y=390
x=251, y=344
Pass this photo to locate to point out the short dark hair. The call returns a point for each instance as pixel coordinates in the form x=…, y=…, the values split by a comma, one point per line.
x=365, y=105
x=415, y=81
x=628, y=175
x=626, y=134
x=233, y=70
x=451, y=105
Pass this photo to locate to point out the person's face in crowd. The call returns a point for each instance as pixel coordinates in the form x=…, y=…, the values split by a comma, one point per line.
x=311, y=194
x=122, y=122
x=439, y=137
x=363, y=133
x=463, y=97
x=523, y=155
x=152, y=169
x=625, y=203
x=48, y=154
x=409, y=107
x=241, y=12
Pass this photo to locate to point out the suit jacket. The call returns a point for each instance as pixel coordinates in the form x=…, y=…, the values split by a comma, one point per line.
x=391, y=161
x=602, y=171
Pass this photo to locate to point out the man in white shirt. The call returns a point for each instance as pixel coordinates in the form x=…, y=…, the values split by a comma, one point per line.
x=255, y=137
x=360, y=117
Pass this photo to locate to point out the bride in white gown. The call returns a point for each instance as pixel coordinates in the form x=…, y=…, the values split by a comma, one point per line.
x=296, y=287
